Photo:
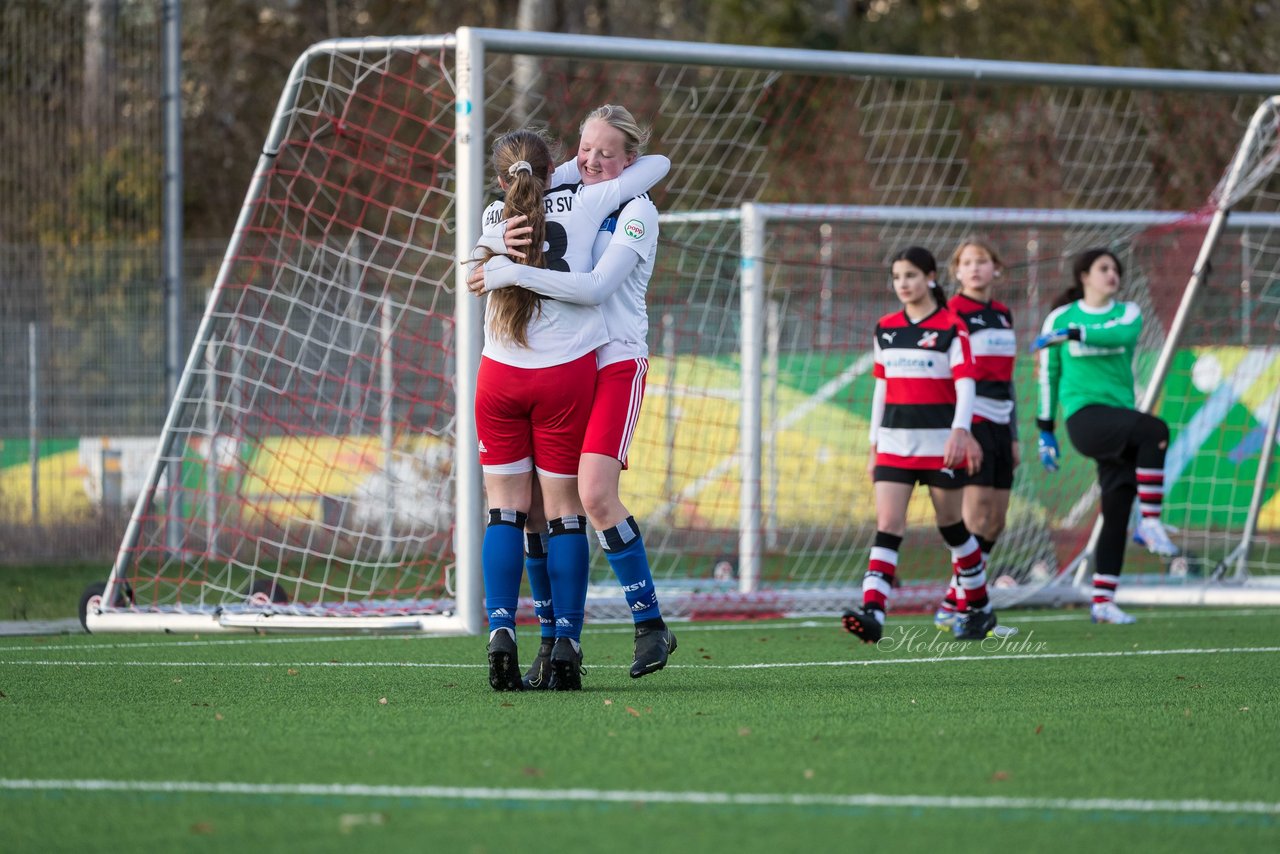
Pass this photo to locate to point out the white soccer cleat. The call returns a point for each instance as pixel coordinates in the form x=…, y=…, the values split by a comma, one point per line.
x=1152, y=533
x=1109, y=612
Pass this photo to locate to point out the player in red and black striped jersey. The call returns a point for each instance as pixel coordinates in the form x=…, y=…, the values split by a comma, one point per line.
x=920, y=419
x=975, y=265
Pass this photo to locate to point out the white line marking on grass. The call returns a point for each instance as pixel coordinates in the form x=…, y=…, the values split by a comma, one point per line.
x=828, y=622
x=625, y=796
x=420, y=664
x=943, y=657
x=939, y=658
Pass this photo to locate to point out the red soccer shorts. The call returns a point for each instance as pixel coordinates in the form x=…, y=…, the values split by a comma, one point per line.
x=528, y=418
x=616, y=410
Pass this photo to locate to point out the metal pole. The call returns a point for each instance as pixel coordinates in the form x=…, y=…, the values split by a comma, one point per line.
x=172, y=260
x=826, y=259
x=33, y=419
x=670, y=417
x=469, y=524
x=1246, y=304
x=772, y=335
x=752, y=321
x=211, y=446
x=386, y=421
x=1033, y=273
x=1259, y=486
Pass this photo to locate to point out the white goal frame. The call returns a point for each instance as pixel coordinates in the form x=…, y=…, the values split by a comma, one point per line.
x=469, y=47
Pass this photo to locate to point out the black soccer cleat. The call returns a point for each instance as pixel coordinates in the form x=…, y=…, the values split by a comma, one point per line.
x=653, y=645
x=862, y=622
x=539, y=676
x=974, y=625
x=504, y=665
x=566, y=666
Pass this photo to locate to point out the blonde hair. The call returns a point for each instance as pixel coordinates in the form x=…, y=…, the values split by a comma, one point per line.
x=524, y=158
x=635, y=137
x=954, y=264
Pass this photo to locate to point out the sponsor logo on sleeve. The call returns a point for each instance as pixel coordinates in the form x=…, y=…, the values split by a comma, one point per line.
x=634, y=229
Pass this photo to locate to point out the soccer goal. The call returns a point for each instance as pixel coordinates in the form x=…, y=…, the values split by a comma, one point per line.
x=317, y=469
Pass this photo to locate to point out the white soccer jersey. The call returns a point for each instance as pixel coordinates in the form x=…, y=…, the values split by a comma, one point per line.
x=625, y=248
x=626, y=315
x=561, y=331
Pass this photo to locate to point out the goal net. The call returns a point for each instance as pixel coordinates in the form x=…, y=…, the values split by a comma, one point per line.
x=317, y=468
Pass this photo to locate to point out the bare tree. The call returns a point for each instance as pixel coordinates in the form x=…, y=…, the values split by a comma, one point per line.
x=533, y=16
x=99, y=66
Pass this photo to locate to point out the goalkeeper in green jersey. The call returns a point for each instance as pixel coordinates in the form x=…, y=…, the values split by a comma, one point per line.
x=1086, y=367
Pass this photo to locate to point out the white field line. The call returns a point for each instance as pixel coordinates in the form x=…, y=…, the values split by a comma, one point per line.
x=940, y=656
x=1014, y=618
x=627, y=796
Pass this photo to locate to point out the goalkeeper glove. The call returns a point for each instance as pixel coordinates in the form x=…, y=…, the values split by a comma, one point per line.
x=1048, y=446
x=1057, y=336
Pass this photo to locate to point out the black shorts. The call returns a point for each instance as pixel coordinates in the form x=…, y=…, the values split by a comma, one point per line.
x=941, y=478
x=1110, y=436
x=996, y=441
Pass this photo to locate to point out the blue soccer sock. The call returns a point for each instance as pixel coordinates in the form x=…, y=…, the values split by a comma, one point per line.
x=502, y=560
x=535, y=566
x=567, y=558
x=624, y=548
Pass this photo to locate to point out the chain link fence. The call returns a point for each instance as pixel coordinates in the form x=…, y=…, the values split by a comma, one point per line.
x=82, y=329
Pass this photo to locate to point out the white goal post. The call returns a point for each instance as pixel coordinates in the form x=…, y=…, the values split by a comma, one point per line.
x=316, y=469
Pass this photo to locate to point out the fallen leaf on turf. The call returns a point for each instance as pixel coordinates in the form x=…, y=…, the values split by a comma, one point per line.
x=746, y=730
x=347, y=821
x=217, y=716
x=1039, y=728
x=707, y=657
x=999, y=776
x=202, y=827
x=608, y=702
x=632, y=712
x=1180, y=677
x=291, y=672
x=508, y=705
x=382, y=701
x=530, y=771
x=1242, y=708
x=808, y=773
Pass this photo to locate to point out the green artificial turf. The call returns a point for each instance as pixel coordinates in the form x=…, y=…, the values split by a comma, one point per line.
x=49, y=592
x=1065, y=710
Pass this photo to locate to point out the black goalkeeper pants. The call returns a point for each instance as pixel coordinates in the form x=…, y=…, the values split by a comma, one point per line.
x=1120, y=441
